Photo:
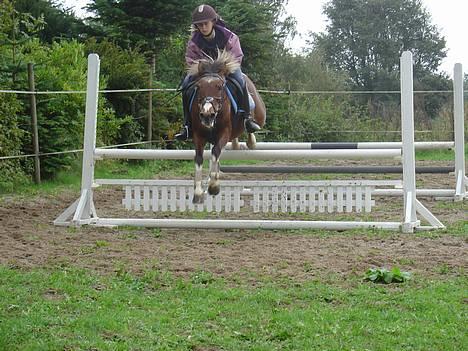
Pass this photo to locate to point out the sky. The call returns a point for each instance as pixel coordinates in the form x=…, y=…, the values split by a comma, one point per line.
x=447, y=15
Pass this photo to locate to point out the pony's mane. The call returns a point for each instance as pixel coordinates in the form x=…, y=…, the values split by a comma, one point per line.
x=225, y=64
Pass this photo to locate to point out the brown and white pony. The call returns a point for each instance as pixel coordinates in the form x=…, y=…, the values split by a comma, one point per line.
x=213, y=119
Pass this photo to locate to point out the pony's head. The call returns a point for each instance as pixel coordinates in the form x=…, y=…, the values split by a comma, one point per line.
x=210, y=77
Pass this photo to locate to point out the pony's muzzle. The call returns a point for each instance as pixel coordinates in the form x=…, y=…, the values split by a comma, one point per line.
x=208, y=121
x=208, y=115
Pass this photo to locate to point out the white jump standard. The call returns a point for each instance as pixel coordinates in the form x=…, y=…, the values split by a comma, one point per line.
x=261, y=196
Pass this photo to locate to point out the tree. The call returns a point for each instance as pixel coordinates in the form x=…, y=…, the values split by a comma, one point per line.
x=60, y=23
x=262, y=28
x=365, y=38
x=16, y=29
x=147, y=23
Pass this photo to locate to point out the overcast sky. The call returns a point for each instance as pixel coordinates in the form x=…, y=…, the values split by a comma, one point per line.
x=447, y=15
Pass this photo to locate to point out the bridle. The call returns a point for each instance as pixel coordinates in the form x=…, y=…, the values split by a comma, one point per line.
x=210, y=99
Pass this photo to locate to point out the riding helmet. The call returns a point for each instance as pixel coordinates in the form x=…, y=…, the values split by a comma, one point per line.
x=204, y=13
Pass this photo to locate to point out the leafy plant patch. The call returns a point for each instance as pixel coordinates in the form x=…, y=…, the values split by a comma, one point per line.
x=385, y=276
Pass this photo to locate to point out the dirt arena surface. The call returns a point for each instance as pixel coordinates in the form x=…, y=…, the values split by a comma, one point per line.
x=29, y=239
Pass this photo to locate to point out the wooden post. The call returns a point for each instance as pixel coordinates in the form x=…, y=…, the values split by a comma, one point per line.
x=150, y=102
x=35, y=133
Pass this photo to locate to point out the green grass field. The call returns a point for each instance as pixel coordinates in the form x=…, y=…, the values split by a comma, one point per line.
x=69, y=309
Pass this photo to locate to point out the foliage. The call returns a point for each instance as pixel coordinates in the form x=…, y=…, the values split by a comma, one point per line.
x=62, y=67
x=16, y=29
x=124, y=69
x=366, y=38
x=60, y=23
x=306, y=72
x=11, y=137
x=146, y=23
x=262, y=28
x=385, y=276
x=170, y=61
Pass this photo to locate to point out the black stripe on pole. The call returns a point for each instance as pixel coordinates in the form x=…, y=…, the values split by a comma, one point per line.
x=332, y=169
x=315, y=146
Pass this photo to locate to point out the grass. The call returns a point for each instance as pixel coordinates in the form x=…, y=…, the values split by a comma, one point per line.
x=71, y=179
x=77, y=310
x=437, y=155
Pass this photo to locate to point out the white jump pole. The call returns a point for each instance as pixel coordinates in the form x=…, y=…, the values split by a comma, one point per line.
x=82, y=211
x=459, y=115
x=146, y=154
x=407, y=135
x=85, y=207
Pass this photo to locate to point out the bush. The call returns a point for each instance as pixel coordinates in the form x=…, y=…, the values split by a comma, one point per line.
x=63, y=67
x=11, y=138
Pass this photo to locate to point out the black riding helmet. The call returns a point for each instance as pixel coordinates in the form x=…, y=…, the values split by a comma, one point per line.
x=204, y=13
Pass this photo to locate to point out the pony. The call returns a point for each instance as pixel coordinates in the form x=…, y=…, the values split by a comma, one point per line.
x=213, y=119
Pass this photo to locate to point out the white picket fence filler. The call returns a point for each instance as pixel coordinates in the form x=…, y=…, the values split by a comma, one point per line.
x=338, y=196
x=254, y=196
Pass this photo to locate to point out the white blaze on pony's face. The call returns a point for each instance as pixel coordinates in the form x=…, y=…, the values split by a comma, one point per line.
x=207, y=109
x=208, y=113
x=210, y=103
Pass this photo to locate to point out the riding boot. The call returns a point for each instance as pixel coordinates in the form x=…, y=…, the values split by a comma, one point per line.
x=186, y=132
x=250, y=125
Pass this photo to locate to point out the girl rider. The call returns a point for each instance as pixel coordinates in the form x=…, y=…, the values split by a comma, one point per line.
x=209, y=36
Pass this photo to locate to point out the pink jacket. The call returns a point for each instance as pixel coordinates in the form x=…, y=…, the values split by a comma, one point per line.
x=228, y=41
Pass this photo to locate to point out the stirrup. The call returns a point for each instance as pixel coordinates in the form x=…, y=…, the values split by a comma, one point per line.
x=250, y=125
x=184, y=135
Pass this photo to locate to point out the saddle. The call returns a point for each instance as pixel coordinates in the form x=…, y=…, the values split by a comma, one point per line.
x=233, y=91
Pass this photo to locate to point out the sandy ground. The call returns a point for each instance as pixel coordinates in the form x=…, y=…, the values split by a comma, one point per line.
x=29, y=239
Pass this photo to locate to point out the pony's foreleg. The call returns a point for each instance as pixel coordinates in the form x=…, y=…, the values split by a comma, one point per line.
x=251, y=141
x=198, y=190
x=213, y=185
x=236, y=144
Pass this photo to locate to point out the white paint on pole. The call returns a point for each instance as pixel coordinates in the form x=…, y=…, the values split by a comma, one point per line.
x=458, y=109
x=407, y=135
x=90, y=132
x=163, y=154
x=242, y=224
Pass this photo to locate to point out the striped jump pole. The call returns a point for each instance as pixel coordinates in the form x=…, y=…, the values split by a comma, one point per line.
x=273, y=169
x=419, y=145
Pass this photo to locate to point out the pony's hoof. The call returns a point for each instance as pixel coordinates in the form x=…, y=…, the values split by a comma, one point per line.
x=213, y=190
x=197, y=199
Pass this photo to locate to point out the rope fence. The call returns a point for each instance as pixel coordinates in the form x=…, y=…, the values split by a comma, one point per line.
x=32, y=92
x=76, y=151
x=265, y=91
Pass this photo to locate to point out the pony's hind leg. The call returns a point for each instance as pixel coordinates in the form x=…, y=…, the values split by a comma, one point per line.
x=213, y=184
x=251, y=141
x=198, y=192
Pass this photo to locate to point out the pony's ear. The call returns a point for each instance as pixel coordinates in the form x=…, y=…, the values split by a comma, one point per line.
x=202, y=67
